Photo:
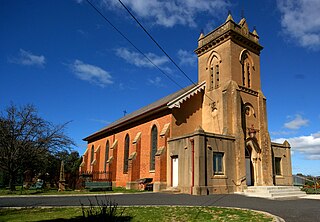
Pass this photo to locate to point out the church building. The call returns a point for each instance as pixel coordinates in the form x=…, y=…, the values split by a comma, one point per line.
x=211, y=137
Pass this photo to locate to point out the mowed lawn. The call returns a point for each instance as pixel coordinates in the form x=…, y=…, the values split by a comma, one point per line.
x=19, y=191
x=161, y=213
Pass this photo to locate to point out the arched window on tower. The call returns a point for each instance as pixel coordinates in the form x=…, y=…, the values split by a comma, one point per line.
x=217, y=76
x=106, y=155
x=247, y=65
x=154, y=146
x=214, y=74
x=126, y=154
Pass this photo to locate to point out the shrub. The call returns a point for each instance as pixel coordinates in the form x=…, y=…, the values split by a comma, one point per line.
x=104, y=210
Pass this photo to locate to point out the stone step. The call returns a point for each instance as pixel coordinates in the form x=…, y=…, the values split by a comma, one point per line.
x=273, y=188
x=287, y=194
x=171, y=190
x=274, y=192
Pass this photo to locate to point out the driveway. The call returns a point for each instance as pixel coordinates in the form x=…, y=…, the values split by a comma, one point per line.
x=289, y=210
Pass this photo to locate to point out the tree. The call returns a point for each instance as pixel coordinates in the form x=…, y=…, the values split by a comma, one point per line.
x=72, y=161
x=27, y=140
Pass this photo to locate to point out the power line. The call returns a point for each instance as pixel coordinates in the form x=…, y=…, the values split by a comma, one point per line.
x=126, y=38
x=115, y=28
x=157, y=44
x=161, y=48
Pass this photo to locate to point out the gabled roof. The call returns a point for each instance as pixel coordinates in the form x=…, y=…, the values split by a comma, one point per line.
x=176, y=102
x=160, y=105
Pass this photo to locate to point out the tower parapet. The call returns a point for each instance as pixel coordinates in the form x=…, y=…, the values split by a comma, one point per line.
x=230, y=30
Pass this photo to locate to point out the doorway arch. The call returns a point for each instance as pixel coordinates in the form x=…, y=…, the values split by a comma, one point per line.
x=249, y=166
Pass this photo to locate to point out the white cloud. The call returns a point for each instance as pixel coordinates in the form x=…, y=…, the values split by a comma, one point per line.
x=169, y=13
x=300, y=20
x=283, y=133
x=139, y=60
x=187, y=58
x=91, y=73
x=296, y=123
x=157, y=82
x=101, y=121
x=29, y=59
x=309, y=146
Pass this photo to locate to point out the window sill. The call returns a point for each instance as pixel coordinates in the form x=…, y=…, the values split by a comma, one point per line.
x=219, y=176
x=152, y=171
x=279, y=177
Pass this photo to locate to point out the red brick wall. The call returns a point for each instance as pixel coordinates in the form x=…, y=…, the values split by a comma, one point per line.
x=145, y=143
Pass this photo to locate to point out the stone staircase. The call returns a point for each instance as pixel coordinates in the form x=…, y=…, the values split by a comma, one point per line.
x=171, y=190
x=274, y=192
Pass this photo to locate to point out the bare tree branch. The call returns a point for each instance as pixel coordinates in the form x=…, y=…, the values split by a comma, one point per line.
x=26, y=140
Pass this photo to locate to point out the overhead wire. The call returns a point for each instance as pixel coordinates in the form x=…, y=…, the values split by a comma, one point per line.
x=143, y=54
x=132, y=44
x=159, y=46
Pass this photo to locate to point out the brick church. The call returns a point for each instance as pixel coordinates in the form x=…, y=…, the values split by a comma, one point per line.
x=207, y=138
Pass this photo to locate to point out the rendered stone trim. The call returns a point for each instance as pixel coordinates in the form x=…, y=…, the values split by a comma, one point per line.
x=279, y=145
x=160, y=151
x=213, y=135
x=132, y=156
x=137, y=138
x=165, y=129
x=110, y=159
x=229, y=30
x=98, y=149
x=247, y=90
x=85, y=152
x=115, y=143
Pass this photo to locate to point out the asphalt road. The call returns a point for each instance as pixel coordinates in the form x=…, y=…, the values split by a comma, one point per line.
x=289, y=210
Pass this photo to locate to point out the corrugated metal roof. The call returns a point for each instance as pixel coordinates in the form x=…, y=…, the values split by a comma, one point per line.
x=161, y=103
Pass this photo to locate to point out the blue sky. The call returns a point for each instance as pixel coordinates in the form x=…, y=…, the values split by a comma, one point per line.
x=65, y=59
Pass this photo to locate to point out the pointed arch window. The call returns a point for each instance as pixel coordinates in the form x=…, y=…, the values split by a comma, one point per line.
x=154, y=146
x=217, y=80
x=214, y=74
x=106, y=155
x=247, y=66
x=126, y=154
x=92, y=154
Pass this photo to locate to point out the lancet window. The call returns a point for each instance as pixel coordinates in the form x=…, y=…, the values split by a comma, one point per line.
x=214, y=74
x=247, y=67
x=154, y=146
x=126, y=154
x=106, y=155
x=92, y=154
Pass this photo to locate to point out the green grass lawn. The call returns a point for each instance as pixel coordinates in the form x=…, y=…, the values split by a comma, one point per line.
x=19, y=191
x=133, y=214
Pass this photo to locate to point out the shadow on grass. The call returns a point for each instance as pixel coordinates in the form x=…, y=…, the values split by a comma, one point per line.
x=103, y=210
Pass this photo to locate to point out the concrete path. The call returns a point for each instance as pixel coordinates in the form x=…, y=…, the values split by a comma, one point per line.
x=289, y=210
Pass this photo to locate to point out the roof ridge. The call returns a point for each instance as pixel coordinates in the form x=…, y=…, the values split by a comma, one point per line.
x=162, y=102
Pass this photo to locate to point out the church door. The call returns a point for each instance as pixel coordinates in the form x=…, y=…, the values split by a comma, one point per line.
x=249, y=168
x=175, y=171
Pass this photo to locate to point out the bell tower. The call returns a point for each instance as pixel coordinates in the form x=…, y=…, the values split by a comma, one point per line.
x=229, y=63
